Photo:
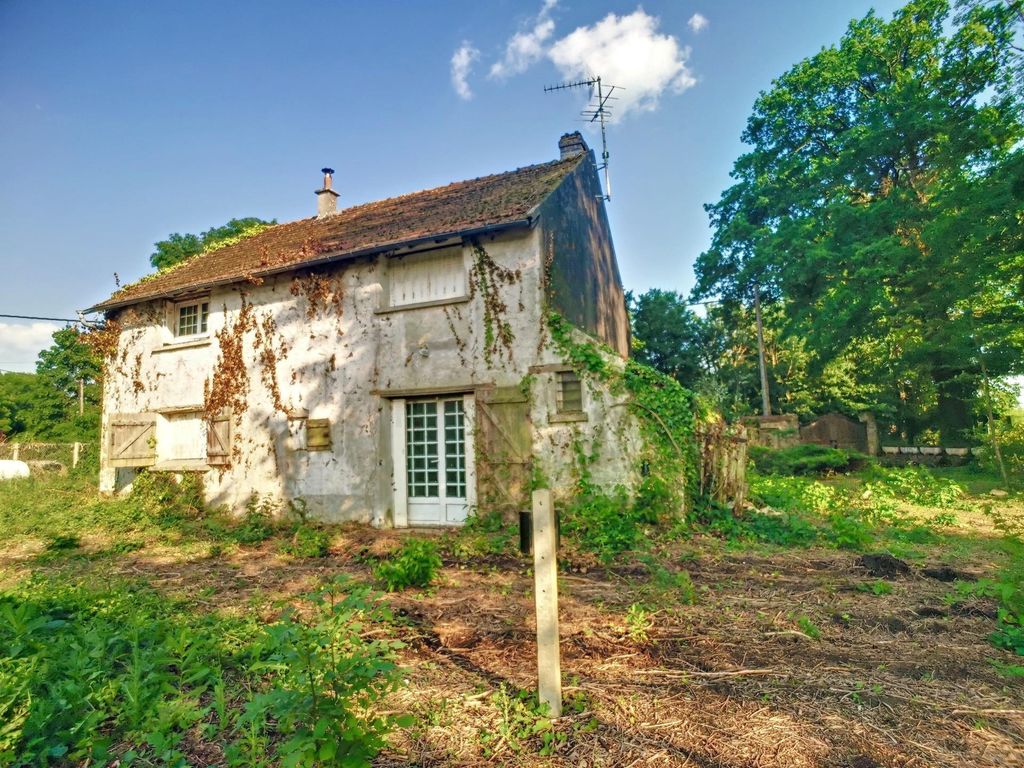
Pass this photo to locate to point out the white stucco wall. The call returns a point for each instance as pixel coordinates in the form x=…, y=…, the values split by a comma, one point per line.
x=343, y=362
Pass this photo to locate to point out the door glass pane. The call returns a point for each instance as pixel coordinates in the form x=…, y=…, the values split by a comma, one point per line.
x=454, y=450
x=421, y=449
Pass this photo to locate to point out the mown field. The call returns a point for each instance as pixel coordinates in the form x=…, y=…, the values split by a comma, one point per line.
x=870, y=619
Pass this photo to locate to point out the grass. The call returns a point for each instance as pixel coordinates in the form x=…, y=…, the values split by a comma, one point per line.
x=186, y=638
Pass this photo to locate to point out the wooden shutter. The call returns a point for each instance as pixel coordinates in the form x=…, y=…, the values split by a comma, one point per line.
x=132, y=440
x=218, y=440
x=504, y=448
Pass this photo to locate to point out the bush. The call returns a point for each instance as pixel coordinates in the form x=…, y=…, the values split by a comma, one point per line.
x=167, y=499
x=415, y=565
x=803, y=460
x=605, y=525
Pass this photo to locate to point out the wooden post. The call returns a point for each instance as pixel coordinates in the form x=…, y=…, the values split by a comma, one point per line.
x=81, y=396
x=74, y=454
x=545, y=574
x=15, y=451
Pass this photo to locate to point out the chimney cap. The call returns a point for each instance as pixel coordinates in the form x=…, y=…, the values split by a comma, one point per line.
x=327, y=171
x=571, y=145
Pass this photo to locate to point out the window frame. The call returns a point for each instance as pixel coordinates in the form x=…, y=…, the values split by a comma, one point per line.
x=561, y=378
x=202, y=322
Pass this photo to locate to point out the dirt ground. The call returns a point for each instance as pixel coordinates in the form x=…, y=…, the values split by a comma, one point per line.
x=787, y=658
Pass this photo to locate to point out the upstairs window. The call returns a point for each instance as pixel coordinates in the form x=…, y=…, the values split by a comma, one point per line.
x=191, y=318
x=570, y=393
x=432, y=277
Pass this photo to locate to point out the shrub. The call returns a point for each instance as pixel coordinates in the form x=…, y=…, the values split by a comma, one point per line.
x=309, y=541
x=655, y=500
x=796, y=494
x=167, y=499
x=784, y=530
x=803, y=460
x=604, y=524
x=415, y=565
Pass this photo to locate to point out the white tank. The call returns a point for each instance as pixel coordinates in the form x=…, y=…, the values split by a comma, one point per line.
x=9, y=469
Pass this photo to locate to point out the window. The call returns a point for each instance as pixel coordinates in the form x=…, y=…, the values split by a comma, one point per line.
x=570, y=393
x=192, y=318
x=433, y=276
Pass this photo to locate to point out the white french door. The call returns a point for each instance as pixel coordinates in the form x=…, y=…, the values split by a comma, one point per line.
x=433, y=446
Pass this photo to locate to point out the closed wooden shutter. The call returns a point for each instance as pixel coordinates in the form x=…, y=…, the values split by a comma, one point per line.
x=504, y=450
x=218, y=440
x=423, y=277
x=132, y=440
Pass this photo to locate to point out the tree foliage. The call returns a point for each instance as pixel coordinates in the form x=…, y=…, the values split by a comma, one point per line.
x=44, y=405
x=881, y=205
x=178, y=248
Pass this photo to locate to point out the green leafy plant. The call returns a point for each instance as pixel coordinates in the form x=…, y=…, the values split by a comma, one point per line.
x=849, y=531
x=258, y=524
x=522, y=724
x=808, y=627
x=415, y=565
x=803, y=460
x=638, y=623
x=324, y=679
x=309, y=541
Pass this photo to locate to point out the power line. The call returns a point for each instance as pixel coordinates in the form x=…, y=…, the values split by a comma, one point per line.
x=54, y=319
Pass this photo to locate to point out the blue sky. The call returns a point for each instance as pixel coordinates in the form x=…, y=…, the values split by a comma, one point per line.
x=121, y=122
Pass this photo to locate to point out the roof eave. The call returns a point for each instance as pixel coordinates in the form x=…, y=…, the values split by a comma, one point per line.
x=528, y=222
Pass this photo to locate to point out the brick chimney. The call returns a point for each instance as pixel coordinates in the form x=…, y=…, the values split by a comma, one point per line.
x=326, y=198
x=571, y=145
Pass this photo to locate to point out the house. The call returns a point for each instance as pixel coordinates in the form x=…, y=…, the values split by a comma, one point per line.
x=390, y=363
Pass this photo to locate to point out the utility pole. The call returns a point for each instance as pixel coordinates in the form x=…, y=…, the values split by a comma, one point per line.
x=991, y=420
x=766, y=403
x=81, y=396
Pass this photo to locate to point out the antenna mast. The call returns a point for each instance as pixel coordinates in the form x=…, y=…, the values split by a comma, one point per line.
x=599, y=112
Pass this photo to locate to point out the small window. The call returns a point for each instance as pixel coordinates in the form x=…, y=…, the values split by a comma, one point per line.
x=318, y=435
x=570, y=392
x=192, y=318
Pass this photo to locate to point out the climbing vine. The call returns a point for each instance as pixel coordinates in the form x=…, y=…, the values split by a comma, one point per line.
x=667, y=413
x=487, y=279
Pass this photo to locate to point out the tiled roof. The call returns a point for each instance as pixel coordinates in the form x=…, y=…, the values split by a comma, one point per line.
x=477, y=204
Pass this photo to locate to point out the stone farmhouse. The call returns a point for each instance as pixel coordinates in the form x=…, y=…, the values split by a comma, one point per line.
x=390, y=363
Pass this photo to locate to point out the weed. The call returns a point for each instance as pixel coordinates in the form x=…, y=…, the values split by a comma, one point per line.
x=325, y=678
x=877, y=588
x=808, y=627
x=850, y=531
x=309, y=541
x=639, y=622
x=258, y=524
x=521, y=722
x=415, y=565
x=62, y=543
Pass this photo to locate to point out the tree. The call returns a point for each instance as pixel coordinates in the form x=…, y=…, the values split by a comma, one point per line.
x=881, y=202
x=178, y=248
x=671, y=335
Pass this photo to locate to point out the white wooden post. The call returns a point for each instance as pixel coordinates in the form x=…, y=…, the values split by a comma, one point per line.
x=545, y=573
x=16, y=452
x=74, y=454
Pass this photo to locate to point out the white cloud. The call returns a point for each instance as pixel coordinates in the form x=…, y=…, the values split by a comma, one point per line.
x=462, y=65
x=20, y=344
x=698, y=22
x=629, y=52
x=526, y=47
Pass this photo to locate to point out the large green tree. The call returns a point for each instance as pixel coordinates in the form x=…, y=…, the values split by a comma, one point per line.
x=670, y=335
x=881, y=205
x=178, y=248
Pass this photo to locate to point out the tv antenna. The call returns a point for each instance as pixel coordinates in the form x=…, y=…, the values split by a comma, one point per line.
x=597, y=112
